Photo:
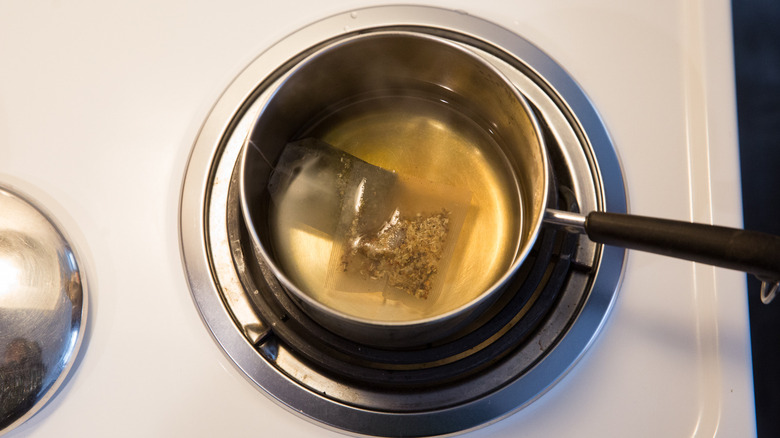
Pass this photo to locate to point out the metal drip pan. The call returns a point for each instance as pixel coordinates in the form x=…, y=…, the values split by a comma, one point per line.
x=43, y=308
x=500, y=364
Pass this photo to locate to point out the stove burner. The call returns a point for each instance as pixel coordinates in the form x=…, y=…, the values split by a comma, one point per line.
x=505, y=327
x=514, y=352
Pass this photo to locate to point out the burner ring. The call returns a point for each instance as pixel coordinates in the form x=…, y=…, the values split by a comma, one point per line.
x=473, y=348
x=213, y=268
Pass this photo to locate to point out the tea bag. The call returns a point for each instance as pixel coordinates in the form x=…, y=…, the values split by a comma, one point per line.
x=408, y=249
x=392, y=234
x=397, y=237
x=323, y=179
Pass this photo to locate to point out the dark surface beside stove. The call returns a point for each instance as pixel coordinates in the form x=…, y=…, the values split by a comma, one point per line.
x=757, y=57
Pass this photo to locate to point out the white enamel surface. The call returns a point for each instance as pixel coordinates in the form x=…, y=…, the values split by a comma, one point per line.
x=100, y=104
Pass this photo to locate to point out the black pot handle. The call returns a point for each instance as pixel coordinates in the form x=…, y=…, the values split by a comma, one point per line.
x=749, y=251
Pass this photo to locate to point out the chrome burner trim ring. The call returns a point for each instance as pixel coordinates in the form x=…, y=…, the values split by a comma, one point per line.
x=204, y=196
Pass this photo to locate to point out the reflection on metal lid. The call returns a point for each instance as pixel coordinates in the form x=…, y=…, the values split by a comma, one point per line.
x=42, y=309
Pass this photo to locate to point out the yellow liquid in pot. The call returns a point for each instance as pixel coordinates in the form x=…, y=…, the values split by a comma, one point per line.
x=429, y=140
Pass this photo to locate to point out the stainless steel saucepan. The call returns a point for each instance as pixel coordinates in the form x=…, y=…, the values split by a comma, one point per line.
x=407, y=62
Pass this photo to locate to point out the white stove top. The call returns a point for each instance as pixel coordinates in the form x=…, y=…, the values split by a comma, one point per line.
x=100, y=105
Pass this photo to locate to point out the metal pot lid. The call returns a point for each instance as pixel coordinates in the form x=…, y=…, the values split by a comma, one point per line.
x=42, y=309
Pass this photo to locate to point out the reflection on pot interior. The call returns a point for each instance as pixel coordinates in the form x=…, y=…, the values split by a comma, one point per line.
x=464, y=172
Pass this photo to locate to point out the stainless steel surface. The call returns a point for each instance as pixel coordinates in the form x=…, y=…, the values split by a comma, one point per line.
x=42, y=309
x=397, y=64
x=573, y=221
x=572, y=123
